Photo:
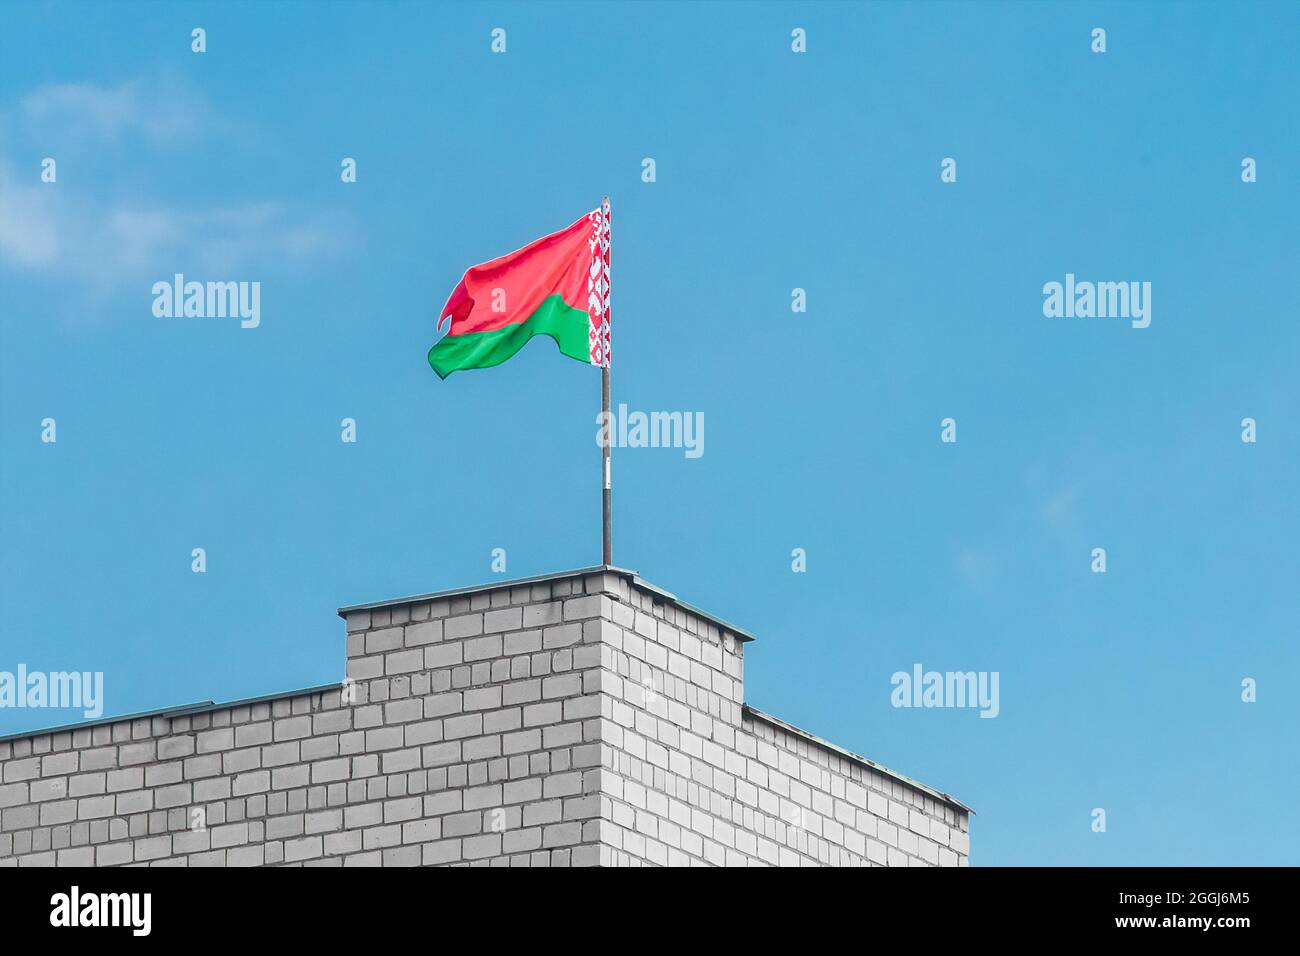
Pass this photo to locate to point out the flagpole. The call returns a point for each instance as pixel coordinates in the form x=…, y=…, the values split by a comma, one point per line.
x=607, y=490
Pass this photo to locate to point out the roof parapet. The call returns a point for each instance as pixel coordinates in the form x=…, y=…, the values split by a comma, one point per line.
x=626, y=573
x=755, y=714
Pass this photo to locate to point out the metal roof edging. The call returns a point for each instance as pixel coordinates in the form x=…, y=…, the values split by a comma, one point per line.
x=183, y=710
x=756, y=714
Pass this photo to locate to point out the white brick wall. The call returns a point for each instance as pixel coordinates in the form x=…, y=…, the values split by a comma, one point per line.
x=578, y=720
x=689, y=777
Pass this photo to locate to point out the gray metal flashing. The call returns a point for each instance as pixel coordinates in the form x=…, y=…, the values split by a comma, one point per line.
x=494, y=586
x=740, y=632
x=755, y=714
x=185, y=710
x=630, y=575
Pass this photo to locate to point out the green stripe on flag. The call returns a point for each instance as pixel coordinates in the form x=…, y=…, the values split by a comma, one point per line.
x=554, y=317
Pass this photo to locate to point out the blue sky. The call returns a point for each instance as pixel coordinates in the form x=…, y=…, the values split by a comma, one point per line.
x=774, y=171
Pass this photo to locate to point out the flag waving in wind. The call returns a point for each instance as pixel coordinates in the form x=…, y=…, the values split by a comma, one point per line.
x=557, y=285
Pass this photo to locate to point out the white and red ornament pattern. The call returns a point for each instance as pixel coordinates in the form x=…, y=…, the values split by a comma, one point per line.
x=598, y=285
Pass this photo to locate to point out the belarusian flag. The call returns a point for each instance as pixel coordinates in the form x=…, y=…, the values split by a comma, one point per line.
x=556, y=286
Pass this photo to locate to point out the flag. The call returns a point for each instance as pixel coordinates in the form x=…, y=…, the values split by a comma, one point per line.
x=557, y=285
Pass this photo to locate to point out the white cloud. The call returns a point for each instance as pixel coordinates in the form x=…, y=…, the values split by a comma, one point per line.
x=27, y=233
x=1061, y=509
x=162, y=112
x=48, y=229
x=977, y=569
x=41, y=230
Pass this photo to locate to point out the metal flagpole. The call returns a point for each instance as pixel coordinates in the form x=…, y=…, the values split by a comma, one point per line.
x=608, y=550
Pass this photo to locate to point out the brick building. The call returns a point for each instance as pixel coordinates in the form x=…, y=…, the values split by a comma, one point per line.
x=574, y=719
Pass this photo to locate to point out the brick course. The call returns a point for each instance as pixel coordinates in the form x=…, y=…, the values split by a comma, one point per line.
x=581, y=719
